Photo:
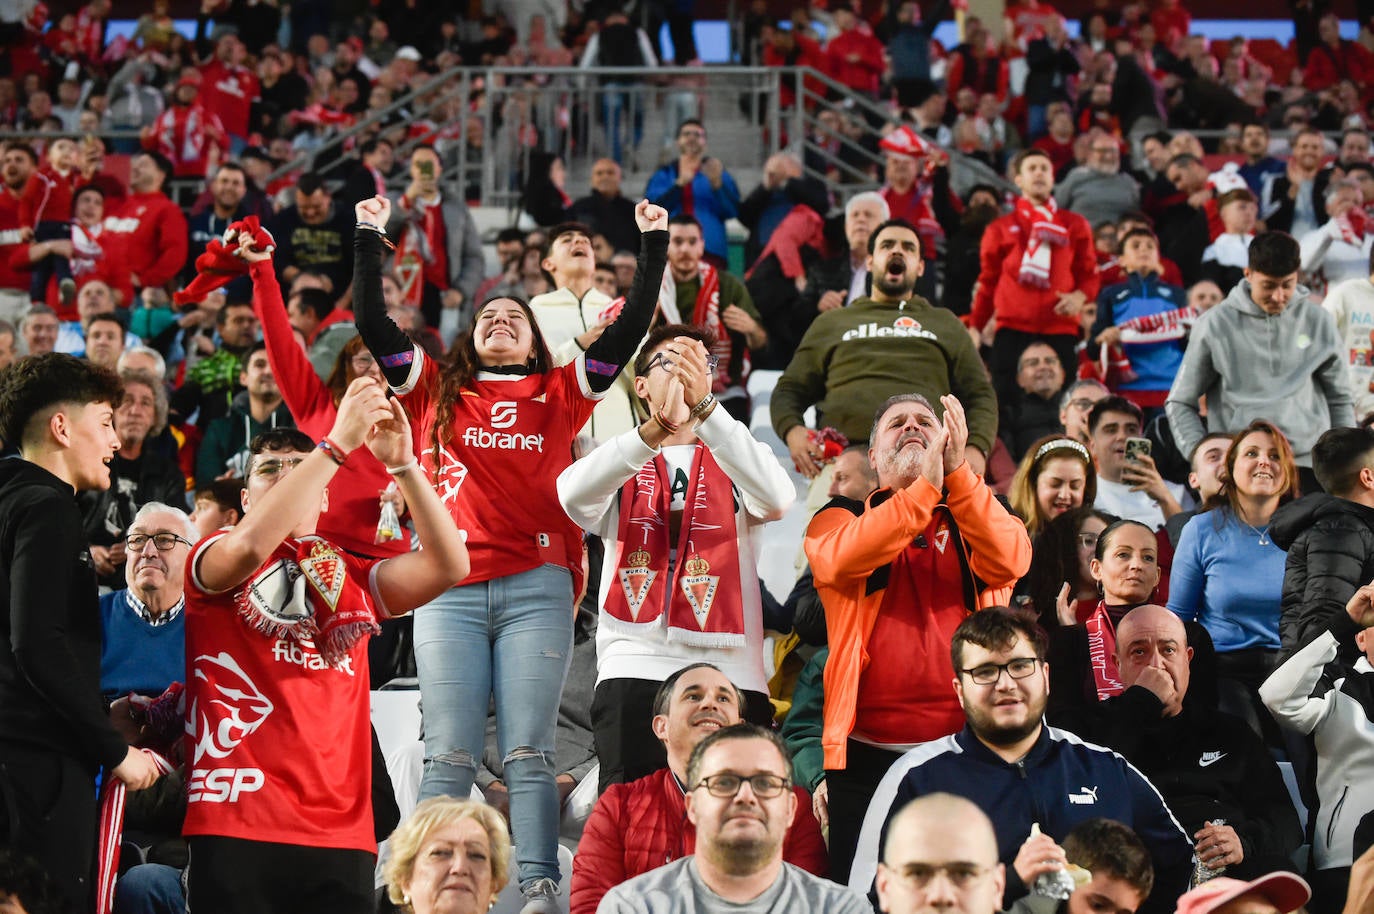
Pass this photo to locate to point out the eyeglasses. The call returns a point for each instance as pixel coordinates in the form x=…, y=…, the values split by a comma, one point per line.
x=363, y=361
x=989, y=673
x=1082, y=403
x=137, y=542
x=960, y=875
x=724, y=786
x=274, y=465
x=661, y=360
x=1087, y=540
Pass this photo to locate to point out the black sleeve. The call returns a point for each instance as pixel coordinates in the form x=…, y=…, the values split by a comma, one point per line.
x=752, y=206
x=204, y=49
x=380, y=334
x=616, y=346
x=48, y=537
x=942, y=201
x=808, y=192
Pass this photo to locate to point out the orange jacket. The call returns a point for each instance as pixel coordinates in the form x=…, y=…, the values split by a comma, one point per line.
x=845, y=550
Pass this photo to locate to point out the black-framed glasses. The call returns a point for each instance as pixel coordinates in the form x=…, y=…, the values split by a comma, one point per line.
x=661, y=360
x=724, y=786
x=272, y=466
x=960, y=875
x=137, y=542
x=989, y=673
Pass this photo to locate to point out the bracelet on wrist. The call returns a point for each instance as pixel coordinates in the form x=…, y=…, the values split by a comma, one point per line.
x=707, y=414
x=336, y=453
x=703, y=407
x=668, y=427
x=404, y=468
x=386, y=239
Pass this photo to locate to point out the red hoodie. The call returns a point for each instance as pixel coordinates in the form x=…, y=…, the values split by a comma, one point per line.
x=1073, y=266
x=47, y=197
x=12, y=245
x=154, y=237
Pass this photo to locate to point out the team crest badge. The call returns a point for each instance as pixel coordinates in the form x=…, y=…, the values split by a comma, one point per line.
x=906, y=322
x=699, y=587
x=325, y=570
x=636, y=579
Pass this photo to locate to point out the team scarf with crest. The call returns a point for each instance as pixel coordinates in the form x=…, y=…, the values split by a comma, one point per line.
x=304, y=593
x=705, y=316
x=701, y=595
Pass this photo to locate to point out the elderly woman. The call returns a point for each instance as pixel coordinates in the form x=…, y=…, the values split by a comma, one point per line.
x=449, y=857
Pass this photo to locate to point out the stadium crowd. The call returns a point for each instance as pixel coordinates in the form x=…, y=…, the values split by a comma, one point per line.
x=1078, y=404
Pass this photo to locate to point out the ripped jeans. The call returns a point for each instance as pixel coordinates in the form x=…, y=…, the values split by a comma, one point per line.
x=510, y=638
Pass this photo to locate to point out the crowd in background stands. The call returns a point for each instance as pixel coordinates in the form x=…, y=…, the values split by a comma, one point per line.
x=1094, y=352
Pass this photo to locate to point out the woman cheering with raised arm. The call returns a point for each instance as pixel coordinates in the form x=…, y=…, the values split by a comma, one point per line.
x=496, y=427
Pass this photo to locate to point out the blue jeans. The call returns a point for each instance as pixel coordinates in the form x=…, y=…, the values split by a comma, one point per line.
x=149, y=888
x=510, y=638
x=615, y=98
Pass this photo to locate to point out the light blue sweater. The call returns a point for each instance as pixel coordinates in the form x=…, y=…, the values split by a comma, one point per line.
x=1225, y=579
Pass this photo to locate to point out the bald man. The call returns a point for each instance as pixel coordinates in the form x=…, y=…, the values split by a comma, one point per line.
x=940, y=854
x=1208, y=765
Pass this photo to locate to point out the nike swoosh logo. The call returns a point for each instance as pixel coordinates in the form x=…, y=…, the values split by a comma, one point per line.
x=1205, y=761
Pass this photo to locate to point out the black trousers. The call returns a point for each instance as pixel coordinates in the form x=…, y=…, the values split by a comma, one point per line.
x=622, y=731
x=234, y=876
x=851, y=788
x=48, y=812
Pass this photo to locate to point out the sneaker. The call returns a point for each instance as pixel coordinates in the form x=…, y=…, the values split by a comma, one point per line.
x=541, y=897
x=66, y=292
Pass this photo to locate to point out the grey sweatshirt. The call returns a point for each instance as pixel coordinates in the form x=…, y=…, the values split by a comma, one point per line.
x=1287, y=368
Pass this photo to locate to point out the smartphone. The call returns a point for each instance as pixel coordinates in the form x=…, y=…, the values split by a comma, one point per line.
x=1135, y=447
x=426, y=168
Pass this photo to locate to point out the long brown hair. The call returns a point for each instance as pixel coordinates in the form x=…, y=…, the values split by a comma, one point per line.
x=463, y=365
x=1228, y=497
x=343, y=374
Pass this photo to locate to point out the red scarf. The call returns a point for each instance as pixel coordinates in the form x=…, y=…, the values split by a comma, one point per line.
x=303, y=597
x=1102, y=651
x=220, y=264
x=703, y=601
x=1043, y=235
x=706, y=316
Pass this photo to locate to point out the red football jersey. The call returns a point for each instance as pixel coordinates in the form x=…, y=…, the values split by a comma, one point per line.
x=278, y=746
x=498, y=471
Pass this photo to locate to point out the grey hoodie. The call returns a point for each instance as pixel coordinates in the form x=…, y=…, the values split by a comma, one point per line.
x=1287, y=368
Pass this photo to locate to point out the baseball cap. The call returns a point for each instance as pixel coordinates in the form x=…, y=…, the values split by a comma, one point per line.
x=408, y=53
x=1285, y=891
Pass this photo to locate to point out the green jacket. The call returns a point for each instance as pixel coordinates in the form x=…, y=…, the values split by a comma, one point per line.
x=801, y=730
x=732, y=292
x=852, y=359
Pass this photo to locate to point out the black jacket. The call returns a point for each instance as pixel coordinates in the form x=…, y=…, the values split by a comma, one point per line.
x=1208, y=765
x=1330, y=546
x=50, y=630
x=613, y=217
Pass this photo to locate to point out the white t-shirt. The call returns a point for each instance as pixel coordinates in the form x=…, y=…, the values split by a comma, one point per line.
x=1352, y=305
x=1117, y=498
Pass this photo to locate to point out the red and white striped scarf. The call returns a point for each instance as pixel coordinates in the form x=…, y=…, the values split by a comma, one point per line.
x=1043, y=235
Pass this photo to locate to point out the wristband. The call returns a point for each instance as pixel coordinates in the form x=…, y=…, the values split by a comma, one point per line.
x=701, y=409
x=386, y=240
x=707, y=414
x=403, y=469
x=335, y=452
x=669, y=427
